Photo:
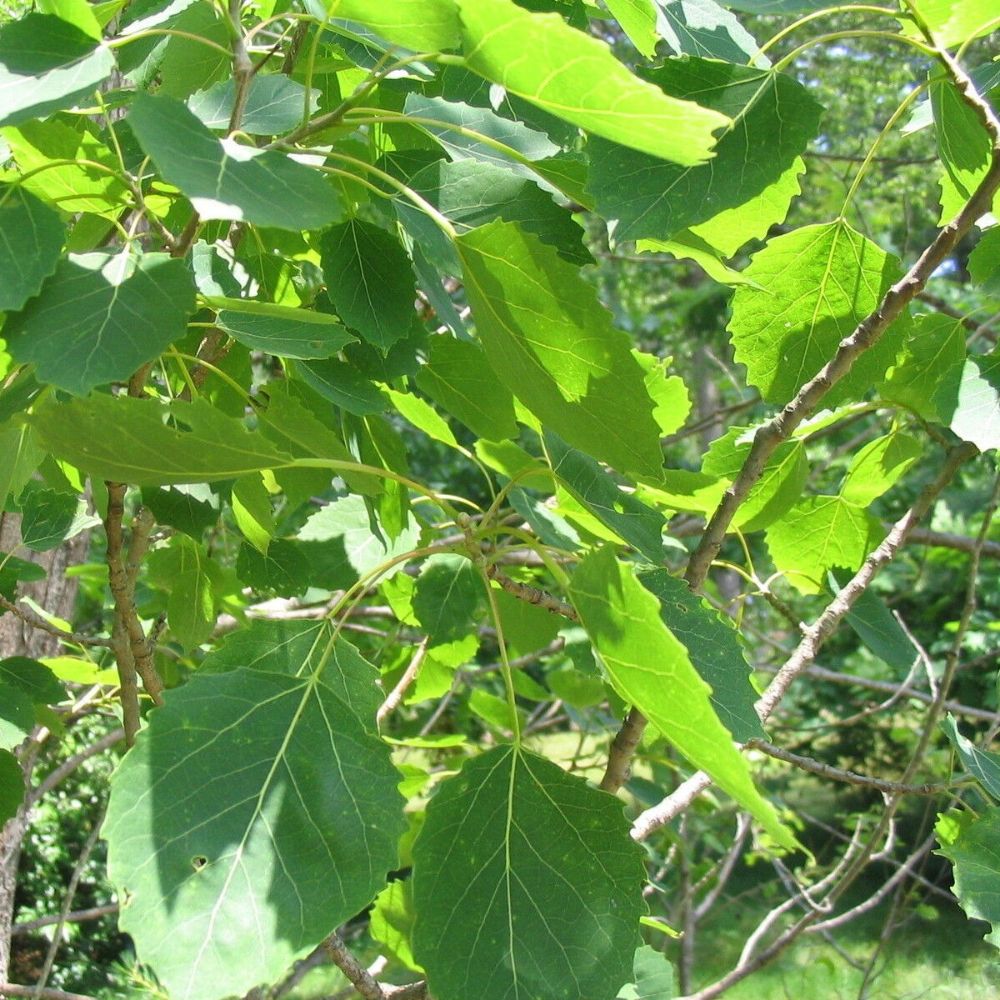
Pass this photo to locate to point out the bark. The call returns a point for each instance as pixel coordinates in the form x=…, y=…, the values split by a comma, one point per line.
x=57, y=595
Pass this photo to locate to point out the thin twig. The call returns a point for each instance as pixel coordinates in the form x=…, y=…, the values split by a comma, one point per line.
x=532, y=595
x=358, y=975
x=74, y=917
x=17, y=990
x=36, y=621
x=69, y=765
x=411, y=673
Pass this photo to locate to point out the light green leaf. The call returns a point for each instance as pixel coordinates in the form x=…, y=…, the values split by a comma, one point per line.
x=20, y=455
x=650, y=198
x=630, y=519
x=78, y=12
x=638, y=20
x=17, y=716
x=31, y=239
x=686, y=246
x=448, y=597
x=814, y=285
x=252, y=511
x=183, y=569
x=982, y=764
x=577, y=78
x=281, y=330
x=100, y=317
x=927, y=375
x=977, y=870
x=976, y=416
x=551, y=342
x=33, y=678
x=703, y=28
x=258, y=805
x=459, y=379
x=654, y=977
x=984, y=261
x=650, y=668
x=47, y=64
x=819, y=534
x=369, y=281
x=419, y=25
x=226, y=180
x=954, y=22
x=146, y=451
x=274, y=104
x=715, y=650
x=672, y=402
x=525, y=884
x=391, y=922
x=11, y=786
x=878, y=465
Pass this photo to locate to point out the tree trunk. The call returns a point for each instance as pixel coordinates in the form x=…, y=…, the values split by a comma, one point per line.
x=57, y=594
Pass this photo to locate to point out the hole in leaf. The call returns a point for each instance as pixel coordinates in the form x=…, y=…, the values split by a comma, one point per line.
x=198, y=862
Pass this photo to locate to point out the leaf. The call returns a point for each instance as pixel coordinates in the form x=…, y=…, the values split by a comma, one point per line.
x=300, y=649
x=256, y=804
x=877, y=628
x=984, y=261
x=190, y=509
x=419, y=25
x=551, y=342
x=687, y=246
x=819, y=534
x=424, y=417
x=814, y=286
x=11, y=786
x=650, y=198
x=343, y=385
x=650, y=668
x=17, y=716
x=977, y=870
x=878, y=465
x=369, y=281
x=100, y=317
x=953, y=22
x=284, y=569
x=31, y=239
x=654, y=977
x=714, y=648
x=274, y=104
x=47, y=64
x=577, y=78
x=49, y=517
x=638, y=20
x=471, y=194
x=525, y=884
x=976, y=416
x=280, y=330
x=184, y=570
x=448, y=596
x=251, y=504
x=20, y=455
x=391, y=922
x=146, y=451
x=226, y=180
x=703, y=28
x=927, y=374
x=32, y=678
x=981, y=764
x=630, y=519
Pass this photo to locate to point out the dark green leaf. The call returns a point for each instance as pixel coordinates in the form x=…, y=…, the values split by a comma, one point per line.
x=343, y=385
x=714, y=646
x=190, y=509
x=11, y=786
x=984, y=261
x=259, y=806
x=48, y=517
x=100, y=317
x=47, y=64
x=17, y=716
x=703, y=28
x=33, y=678
x=281, y=330
x=369, y=281
x=977, y=870
x=274, y=104
x=283, y=569
x=981, y=764
x=877, y=628
x=448, y=595
x=31, y=239
x=525, y=883
x=551, y=342
x=226, y=180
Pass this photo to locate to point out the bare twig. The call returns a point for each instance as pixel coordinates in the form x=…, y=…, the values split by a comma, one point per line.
x=69, y=765
x=532, y=595
x=17, y=990
x=37, y=621
x=395, y=696
x=359, y=976
x=73, y=917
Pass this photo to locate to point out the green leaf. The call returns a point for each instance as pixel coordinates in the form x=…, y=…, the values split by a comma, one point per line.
x=953, y=22
x=252, y=511
x=284, y=569
x=226, y=180
x=100, y=317
x=814, y=286
x=639, y=21
x=471, y=194
x=687, y=246
x=146, y=451
x=424, y=417
x=32, y=678
x=11, y=786
x=17, y=716
x=877, y=628
x=31, y=239
x=300, y=649
x=259, y=806
x=819, y=534
x=49, y=517
x=14, y=571
x=419, y=25
x=984, y=261
x=551, y=342
x=714, y=648
x=654, y=977
x=391, y=922
x=184, y=570
x=525, y=884
x=280, y=330
x=650, y=198
x=369, y=281
x=274, y=104
x=630, y=519
x=928, y=372
x=47, y=64
x=977, y=870
x=976, y=416
x=190, y=509
x=650, y=668
x=343, y=385
x=703, y=28
x=878, y=465
x=577, y=78
x=20, y=455
x=448, y=596
x=981, y=764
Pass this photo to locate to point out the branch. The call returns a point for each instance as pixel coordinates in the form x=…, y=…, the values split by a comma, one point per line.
x=16, y=990
x=37, y=621
x=242, y=67
x=74, y=917
x=395, y=696
x=946, y=540
x=69, y=765
x=358, y=975
x=532, y=595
